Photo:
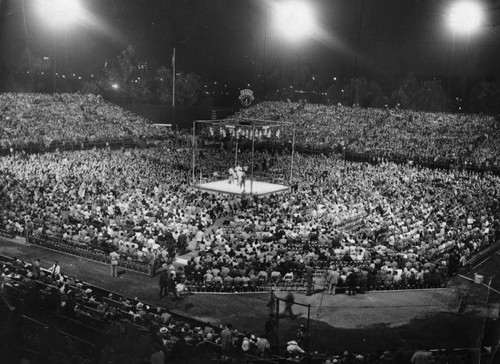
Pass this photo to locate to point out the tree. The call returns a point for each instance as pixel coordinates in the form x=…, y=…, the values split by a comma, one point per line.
x=141, y=88
x=407, y=93
x=334, y=94
x=125, y=81
x=485, y=97
x=163, y=82
x=427, y=95
x=124, y=66
x=93, y=87
x=32, y=64
x=431, y=97
x=188, y=87
x=118, y=74
x=360, y=91
x=31, y=72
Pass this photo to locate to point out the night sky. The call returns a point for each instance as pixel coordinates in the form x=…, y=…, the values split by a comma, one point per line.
x=235, y=40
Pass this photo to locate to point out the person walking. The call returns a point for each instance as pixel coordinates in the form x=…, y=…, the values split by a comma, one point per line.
x=332, y=279
x=289, y=302
x=114, y=258
x=463, y=297
x=163, y=282
x=271, y=304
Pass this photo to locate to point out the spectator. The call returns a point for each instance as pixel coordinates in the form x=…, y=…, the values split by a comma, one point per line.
x=114, y=258
x=55, y=271
x=226, y=336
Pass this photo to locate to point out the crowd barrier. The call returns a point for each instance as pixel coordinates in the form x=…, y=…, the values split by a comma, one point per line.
x=87, y=252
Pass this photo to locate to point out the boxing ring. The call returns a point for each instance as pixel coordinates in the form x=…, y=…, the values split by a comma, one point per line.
x=258, y=188
x=247, y=130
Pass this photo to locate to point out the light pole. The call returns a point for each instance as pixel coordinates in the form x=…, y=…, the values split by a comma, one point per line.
x=59, y=14
x=294, y=21
x=464, y=18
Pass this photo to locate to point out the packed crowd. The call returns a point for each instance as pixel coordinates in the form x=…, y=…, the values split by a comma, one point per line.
x=443, y=138
x=388, y=225
x=415, y=225
x=42, y=119
x=123, y=200
x=109, y=327
x=372, y=226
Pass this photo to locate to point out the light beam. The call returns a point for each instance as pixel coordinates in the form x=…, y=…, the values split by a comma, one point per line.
x=60, y=12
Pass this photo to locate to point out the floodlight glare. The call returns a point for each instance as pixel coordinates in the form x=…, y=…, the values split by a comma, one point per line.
x=294, y=19
x=465, y=17
x=60, y=12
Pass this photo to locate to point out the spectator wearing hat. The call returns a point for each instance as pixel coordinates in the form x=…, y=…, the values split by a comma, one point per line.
x=164, y=336
x=246, y=344
x=293, y=349
x=262, y=347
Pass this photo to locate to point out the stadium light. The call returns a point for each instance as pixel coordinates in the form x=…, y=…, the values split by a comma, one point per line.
x=294, y=19
x=60, y=12
x=465, y=17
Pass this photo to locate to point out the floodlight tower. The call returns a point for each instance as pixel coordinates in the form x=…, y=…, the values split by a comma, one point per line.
x=294, y=19
x=465, y=17
x=294, y=22
x=59, y=14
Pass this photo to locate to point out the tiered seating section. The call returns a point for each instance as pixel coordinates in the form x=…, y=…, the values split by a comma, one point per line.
x=64, y=320
x=65, y=120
